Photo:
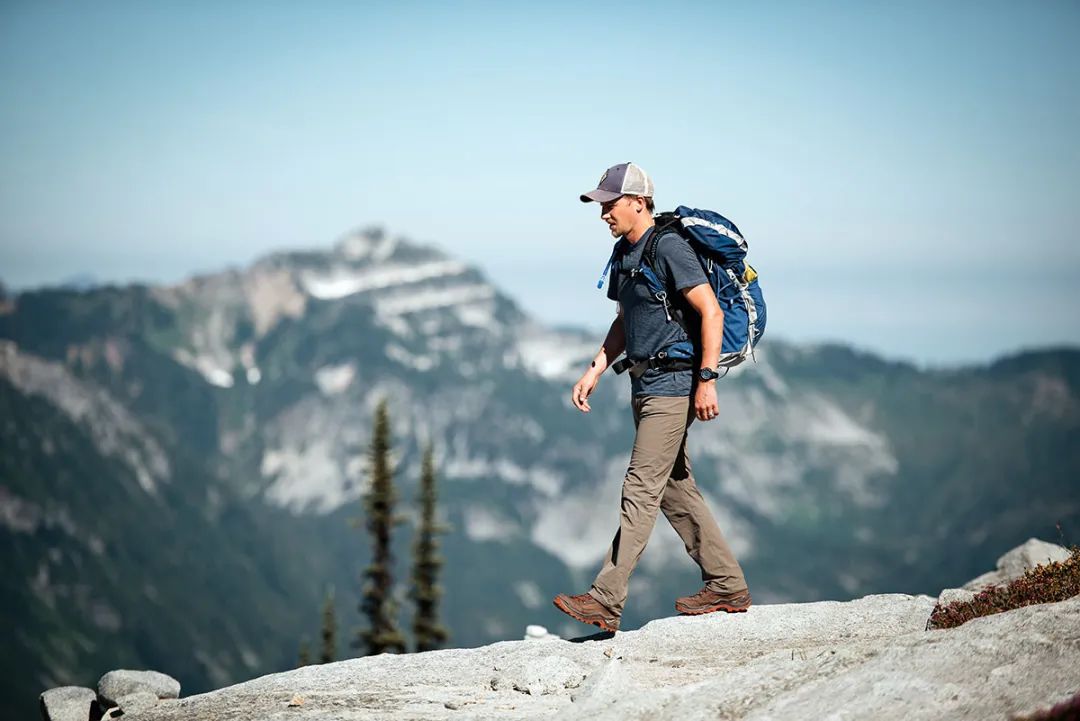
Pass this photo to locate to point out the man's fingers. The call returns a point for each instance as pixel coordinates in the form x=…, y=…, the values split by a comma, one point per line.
x=578, y=397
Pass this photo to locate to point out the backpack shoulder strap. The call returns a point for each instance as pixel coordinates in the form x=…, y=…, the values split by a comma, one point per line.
x=666, y=223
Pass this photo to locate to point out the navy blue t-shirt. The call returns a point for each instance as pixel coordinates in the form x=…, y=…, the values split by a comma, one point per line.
x=646, y=324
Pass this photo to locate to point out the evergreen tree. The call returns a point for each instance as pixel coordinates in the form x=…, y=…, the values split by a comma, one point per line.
x=303, y=656
x=329, y=629
x=378, y=602
x=427, y=631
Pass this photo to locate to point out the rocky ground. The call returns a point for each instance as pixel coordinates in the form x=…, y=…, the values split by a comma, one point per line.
x=868, y=658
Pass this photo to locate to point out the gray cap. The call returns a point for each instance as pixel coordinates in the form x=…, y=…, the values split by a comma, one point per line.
x=621, y=179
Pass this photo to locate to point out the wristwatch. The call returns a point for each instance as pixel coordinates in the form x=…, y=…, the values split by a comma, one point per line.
x=708, y=374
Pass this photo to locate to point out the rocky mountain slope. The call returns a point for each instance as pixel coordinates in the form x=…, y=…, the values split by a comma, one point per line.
x=180, y=466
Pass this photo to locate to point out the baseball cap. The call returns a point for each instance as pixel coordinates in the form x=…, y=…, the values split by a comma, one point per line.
x=621, y=179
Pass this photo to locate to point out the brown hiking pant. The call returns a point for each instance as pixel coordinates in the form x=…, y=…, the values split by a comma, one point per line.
x=659, y=479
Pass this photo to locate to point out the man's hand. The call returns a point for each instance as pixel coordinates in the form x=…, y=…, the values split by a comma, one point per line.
x=583, y=389
x=705, y=405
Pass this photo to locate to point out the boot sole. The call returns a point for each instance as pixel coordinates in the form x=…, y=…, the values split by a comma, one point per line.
x=592, y=620
x=712, y=609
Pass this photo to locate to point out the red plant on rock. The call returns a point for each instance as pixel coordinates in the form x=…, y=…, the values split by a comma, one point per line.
x=1048, y=583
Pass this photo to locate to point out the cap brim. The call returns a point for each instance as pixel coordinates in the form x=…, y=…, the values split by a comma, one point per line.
x=599, y=196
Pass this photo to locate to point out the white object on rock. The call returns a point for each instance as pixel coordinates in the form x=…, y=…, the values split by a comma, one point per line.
x=538, y=633
x=123, y=682
x=1020, y=559
x=67, y=703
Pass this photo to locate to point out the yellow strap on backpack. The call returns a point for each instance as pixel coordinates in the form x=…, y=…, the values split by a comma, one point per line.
x=749, y=275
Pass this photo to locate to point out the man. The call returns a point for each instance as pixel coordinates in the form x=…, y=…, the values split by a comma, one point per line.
x=659, y=477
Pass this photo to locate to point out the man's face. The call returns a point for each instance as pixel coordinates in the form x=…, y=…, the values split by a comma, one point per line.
x=620, y=214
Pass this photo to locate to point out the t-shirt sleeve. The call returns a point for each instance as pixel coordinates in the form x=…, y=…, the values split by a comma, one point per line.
x=679, y=262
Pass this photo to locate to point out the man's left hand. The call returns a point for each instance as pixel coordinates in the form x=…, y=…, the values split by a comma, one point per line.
x=705, y=406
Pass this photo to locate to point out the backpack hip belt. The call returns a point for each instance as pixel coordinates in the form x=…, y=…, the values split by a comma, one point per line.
x=660, y=361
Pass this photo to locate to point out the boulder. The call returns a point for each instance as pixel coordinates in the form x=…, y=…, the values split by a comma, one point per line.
x=952, y=595
x=1020, y=559
x=67, y=703
x=123, y=682
x=138, y=701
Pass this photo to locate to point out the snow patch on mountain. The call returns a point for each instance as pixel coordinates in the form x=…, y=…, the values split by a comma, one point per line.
x=411, y=360
x=343, y=281
x=577, y=527
x=414, y=302
x=555, y=356
x=314, y=457
x=544, y=480
x=528, y=592
x=208, y=367
x=335, y=379
x=478, y=314
x=307, y=477
x=485, y=524
x=774, y=440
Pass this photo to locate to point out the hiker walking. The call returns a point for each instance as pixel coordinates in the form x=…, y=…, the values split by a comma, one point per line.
x=669, y=392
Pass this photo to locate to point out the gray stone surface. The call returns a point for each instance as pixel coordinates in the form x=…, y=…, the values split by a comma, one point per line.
x=952, y=595
x=138, y=701
x=67, y=703
x=124, y=682
x=1020, y=559
x=867, y=658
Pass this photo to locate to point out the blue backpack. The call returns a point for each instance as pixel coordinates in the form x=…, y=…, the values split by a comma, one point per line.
x=721, y=250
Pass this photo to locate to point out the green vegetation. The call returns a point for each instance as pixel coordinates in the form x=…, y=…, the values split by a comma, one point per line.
x=378, y=603
x=428, y=633
x=1048, y=583
x=303, y=656
x=329, y=629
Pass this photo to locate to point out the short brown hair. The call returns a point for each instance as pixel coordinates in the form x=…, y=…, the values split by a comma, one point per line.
x=649, y=204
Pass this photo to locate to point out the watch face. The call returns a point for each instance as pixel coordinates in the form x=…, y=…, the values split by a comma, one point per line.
x=707, y=374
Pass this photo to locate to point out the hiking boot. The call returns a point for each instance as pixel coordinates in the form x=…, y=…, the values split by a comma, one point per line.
x=706, y=601
x=587, y=609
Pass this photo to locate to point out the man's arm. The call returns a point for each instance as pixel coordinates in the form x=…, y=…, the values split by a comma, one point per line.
x=703, y=300
x=614, y=345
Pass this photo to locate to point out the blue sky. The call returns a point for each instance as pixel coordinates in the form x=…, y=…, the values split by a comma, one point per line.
x=908, y=175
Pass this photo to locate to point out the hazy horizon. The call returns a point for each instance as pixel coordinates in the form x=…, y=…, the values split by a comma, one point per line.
x=905, y=175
